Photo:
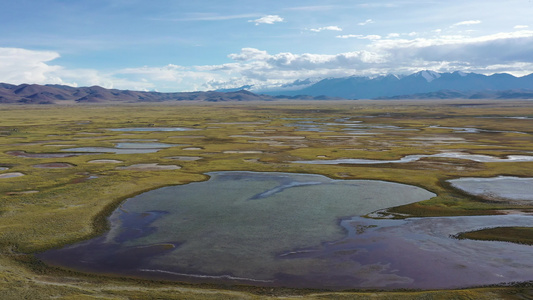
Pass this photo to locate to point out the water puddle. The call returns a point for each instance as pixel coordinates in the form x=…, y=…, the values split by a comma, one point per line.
x=56, y=165
x=104, y=161
x=11, y=175
x=149, y=167
x=474, y=130
x=503, y=188
x=45, y=155
x=126, y=148
x=413, y=158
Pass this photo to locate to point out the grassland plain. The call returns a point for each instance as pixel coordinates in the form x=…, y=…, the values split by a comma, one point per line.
x=51, y=207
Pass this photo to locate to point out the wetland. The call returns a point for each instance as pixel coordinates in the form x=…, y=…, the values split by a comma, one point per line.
x=355, y=195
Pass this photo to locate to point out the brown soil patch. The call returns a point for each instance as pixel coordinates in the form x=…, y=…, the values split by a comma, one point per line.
x=21, y=193
x=185, y=158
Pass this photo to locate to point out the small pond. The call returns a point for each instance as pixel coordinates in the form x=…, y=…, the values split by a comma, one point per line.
x=295, y=230
x=125, y=148
x=56, y=165
x=412, y=158
x=503, y=188
x=43, y=155
x=11, y=175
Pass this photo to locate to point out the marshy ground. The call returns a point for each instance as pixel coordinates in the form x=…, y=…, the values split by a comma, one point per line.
x=62, y=194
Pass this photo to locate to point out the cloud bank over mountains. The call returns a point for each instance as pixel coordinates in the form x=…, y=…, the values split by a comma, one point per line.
x=395, y=54
x=205, y=45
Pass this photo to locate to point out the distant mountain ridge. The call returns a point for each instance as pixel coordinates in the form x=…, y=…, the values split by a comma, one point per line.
x=357, y=87
x=421, y=85
x=452, y=94
x=49, y=94
x=55, y=94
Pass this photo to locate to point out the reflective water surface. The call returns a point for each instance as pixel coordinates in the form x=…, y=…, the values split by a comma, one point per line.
x=295, y=230
x=497, y=188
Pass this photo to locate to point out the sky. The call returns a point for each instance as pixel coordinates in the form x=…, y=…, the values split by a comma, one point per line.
x=179, y=45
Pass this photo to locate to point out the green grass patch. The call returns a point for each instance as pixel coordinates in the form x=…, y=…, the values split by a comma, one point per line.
x=518, y=235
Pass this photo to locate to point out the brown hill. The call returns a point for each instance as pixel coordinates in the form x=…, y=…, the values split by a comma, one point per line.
x=50, y=94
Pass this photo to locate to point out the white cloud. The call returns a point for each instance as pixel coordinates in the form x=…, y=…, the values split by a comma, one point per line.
x=19, y=66
x=368, y=21
x=359, y=36
x=470, y=22
x=499, y=52
x=23, y=66
x=332, y=28
x=393, y=35
x=521, y=27
x=270, y=19
x=168, y=78
x=248, y=54
x=349, y=36
x=372, y=37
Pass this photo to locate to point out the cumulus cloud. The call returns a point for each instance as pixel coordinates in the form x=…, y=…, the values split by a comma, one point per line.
x=170, y=77
x=470, y=22
x=501, y=52
x=248, y=54
x=521, y=27
x=19, y=66
x=396, y=54
x=22, y=66
x=269, y=19
x=461, y=52
x=332, y=28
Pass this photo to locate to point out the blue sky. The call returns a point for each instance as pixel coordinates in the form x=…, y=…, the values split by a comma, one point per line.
x=177, y=45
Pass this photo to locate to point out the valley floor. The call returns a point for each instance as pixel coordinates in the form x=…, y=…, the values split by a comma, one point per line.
x=52, y=195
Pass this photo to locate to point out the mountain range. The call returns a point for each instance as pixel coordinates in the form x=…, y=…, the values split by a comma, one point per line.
x=49, y=94
x=55, y=94
x=421, y=85
x=465, y=85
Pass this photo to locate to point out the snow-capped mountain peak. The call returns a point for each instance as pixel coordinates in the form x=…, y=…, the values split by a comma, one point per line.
x=429, y=76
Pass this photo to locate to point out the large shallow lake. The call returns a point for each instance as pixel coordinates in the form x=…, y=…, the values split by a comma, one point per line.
x=295, y=230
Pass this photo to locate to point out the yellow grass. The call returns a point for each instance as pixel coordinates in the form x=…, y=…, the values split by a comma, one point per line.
x=69, y=208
